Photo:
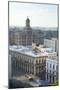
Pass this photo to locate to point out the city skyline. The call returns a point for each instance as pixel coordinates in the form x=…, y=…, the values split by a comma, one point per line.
x=41, y=15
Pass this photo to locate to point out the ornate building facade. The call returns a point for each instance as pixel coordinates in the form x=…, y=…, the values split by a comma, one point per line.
x=27, y=59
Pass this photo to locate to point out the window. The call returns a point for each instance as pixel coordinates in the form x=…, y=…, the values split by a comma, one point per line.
x=30, y=60
x=47, y=65
x=36, y=68
x=53, y=67
x=53, y=73
x=39, y=67
x=47, y=76
x=50, y=65
x=47, y=70
x=42, y=61
x=50, y=71
x=42, y=67
x=50, y=78
x=53, y=79
x=36, y=62
x=56, y=68
x=39, y=61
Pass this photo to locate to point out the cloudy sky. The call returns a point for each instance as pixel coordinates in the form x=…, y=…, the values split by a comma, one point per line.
x=42, y=15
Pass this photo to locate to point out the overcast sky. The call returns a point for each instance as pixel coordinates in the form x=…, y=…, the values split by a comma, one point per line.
x=42, y=15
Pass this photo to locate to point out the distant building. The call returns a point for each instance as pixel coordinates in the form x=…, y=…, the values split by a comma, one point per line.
x=52, y=43
x=11, y=37
x=31, y=61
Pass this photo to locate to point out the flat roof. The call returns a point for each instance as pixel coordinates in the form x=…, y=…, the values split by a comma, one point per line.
x=27, y=50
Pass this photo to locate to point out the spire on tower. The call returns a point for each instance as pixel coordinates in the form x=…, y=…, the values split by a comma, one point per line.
x=27, y=22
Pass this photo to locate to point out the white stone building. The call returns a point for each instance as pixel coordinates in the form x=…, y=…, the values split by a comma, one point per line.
x=52, y=69
x=31, y=61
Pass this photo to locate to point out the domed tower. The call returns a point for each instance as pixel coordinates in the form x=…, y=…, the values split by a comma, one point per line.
x=28, y=32
x=27, y=36
x=27, y=22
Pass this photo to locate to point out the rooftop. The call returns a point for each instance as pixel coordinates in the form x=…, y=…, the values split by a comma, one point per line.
x=27, y=50
x=52, y=39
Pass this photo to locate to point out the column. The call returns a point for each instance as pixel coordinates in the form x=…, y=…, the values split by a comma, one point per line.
x=34, y=70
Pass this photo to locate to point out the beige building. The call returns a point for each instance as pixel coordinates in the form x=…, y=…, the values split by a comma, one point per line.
x=28, y=59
